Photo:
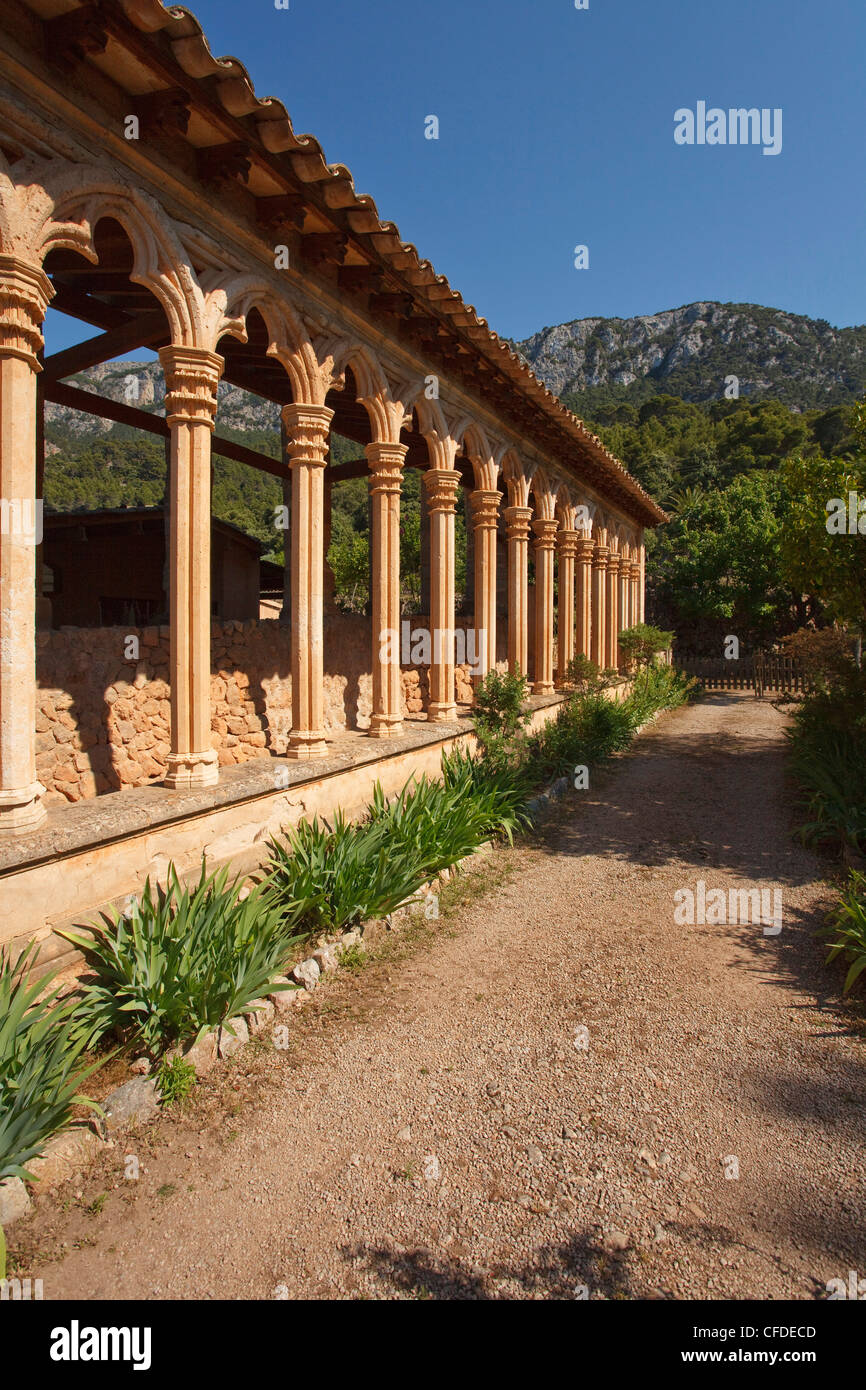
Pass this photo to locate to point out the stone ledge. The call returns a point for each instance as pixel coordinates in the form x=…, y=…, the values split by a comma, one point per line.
x=101, y=820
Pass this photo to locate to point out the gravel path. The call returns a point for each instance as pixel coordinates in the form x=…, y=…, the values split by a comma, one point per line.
x=547, y=1092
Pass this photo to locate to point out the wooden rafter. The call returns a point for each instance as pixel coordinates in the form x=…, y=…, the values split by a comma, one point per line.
x=90, y=404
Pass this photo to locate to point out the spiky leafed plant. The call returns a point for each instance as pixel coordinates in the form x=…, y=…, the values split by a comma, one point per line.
x=328, y=877
x=41, y=1062
x=183, y=960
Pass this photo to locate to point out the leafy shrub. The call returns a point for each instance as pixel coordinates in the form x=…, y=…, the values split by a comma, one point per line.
x=825, y=654
x=328, y=879
x=639, y=645
x=848, y=929
x=587, y=729
x=655, y=688
x=499, y=713
x=41, y=1071
x=828, y=757
x=582, y=674
x=589, y=726
x=182, y=961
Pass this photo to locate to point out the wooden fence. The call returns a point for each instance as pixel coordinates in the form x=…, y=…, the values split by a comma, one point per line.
x=764, y=671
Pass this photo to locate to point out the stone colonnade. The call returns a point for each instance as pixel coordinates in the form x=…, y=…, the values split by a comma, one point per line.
x=599, y=555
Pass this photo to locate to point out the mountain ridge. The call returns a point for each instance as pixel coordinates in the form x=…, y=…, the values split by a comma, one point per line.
x=694, y=350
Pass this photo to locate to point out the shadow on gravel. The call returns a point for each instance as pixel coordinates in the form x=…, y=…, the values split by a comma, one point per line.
x=795, y=961
x=557, y=1271
x=716, y=801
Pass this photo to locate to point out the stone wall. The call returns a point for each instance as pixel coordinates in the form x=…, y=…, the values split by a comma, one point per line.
x=104, y=705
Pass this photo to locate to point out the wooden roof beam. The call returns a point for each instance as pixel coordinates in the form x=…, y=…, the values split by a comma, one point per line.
x=146, y=331
x=101, y=406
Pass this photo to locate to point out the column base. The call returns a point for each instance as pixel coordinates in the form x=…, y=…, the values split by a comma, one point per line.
x=307, y=745
x=22, y=809
x=441, y=714
x=385, y=726
x=188, y=771
x=543, y=688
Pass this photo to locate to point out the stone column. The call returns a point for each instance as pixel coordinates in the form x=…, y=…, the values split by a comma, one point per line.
x=566, y=545
x=545, y=545
x=191, y=379
x=599, y=605
x=386, y=476
x=585, y=548
x=469, y=583
x=485, y=520
x=634, y=587
x=286, y=483
x=518, y=520
x=24, y=294
x=306, y=434
x=612, y=616
x=641, y=587
x=625, y=620
x=440, y=494
x=425, y=537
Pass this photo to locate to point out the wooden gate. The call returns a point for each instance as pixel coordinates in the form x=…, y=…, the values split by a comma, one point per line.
x=761, y=672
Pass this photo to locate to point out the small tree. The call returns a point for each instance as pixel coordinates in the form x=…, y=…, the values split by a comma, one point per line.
x=824, y=539
x=639, y=645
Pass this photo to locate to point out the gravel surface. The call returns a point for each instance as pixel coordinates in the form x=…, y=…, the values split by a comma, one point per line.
x=546, y=1093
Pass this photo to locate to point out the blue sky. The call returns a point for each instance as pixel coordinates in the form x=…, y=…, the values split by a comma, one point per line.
x=557, y=129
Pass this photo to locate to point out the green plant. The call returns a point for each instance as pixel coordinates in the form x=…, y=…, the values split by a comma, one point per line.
x=354, y=958
x=328, y=878
x=434, y=823
x=41, y=1063
x=175, y=1079
x=639, y=645
x=655, y=688
x=183, y=960
x=848, y=929
x=501, y=792
x=500, y=713
x=582, y=674
x=828, y=754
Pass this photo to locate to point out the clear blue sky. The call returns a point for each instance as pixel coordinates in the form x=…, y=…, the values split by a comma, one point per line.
x=556, y=129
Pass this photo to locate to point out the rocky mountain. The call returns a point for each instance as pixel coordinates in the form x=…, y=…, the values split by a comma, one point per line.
x=141, y=384
x=691, y=352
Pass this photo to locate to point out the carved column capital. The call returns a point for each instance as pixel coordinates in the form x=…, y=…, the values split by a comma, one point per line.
x=585, y=550
x=634, y=569
x=440, y=485
x=192, y=376
x=567, y=542
x=25, y=292
x=386, y=466
x=485, y=509
x=545, y=533
x=614, y=560
x=518, y=523
x=600, y=557
x=306, y=430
